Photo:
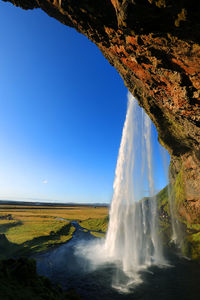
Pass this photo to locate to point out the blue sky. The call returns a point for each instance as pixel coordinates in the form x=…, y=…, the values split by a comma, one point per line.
x=62, y=108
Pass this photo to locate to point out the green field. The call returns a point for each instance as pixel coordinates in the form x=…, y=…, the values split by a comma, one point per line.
x=27, y=230
x=95, y=224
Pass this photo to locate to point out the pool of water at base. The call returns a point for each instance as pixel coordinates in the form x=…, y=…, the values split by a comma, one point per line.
x=62, y=266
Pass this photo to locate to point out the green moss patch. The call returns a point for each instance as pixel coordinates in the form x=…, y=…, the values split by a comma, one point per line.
x=191, y=240
x=179, y=190
x=165, y=229
x=191, y=246
x=163, y=201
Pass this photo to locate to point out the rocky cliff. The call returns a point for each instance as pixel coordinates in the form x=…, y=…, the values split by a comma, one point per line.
x=155, y=46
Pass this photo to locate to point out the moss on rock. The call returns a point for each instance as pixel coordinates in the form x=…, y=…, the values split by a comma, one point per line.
x=179, y=192
x=191, y=246
x=164, y=215
x=190, y=243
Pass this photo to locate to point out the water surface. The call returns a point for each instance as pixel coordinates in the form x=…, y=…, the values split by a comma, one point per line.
x=64, y=267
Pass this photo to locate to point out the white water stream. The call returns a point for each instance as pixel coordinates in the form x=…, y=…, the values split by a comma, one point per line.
x=132, y=241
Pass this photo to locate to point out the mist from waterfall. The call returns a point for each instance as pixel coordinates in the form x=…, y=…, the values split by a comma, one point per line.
x=132, y=240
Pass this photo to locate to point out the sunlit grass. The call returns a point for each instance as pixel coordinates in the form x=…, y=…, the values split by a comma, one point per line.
x=71, y=213
x=95, y=224
x=37, y=228
x=32, y=228
x=97, y=234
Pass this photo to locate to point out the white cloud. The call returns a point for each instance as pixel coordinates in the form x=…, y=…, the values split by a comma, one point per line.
x=44, y=181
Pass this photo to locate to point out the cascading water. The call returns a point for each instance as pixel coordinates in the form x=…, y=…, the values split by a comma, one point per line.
x=132, y=237
x=132, y=240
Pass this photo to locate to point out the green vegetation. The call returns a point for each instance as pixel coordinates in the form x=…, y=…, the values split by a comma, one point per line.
x=164, y=215
x=5, y=224
x=69, y=213
x=19, y=281
x=179, y=190
x=98, y=227
x=84, y=230
x=191, y=246
x=191, y=232
x=191, y=242
x=29, y=235
x=163, y=201
x=27, y=230
x=31, y=228
x=97, y=234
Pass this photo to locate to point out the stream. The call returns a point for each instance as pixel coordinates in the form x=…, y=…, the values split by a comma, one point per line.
x=62, y=266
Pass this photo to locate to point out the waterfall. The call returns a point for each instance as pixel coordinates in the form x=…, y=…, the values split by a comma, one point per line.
x=132, y=239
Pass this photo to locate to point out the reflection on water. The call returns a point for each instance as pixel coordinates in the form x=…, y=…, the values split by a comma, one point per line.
x=63, y=266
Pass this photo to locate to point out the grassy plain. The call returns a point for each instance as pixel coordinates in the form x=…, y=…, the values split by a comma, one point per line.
x=94, y=225
x=31, y=229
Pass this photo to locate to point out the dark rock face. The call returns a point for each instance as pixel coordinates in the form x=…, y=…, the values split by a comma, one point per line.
x=155, y=46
